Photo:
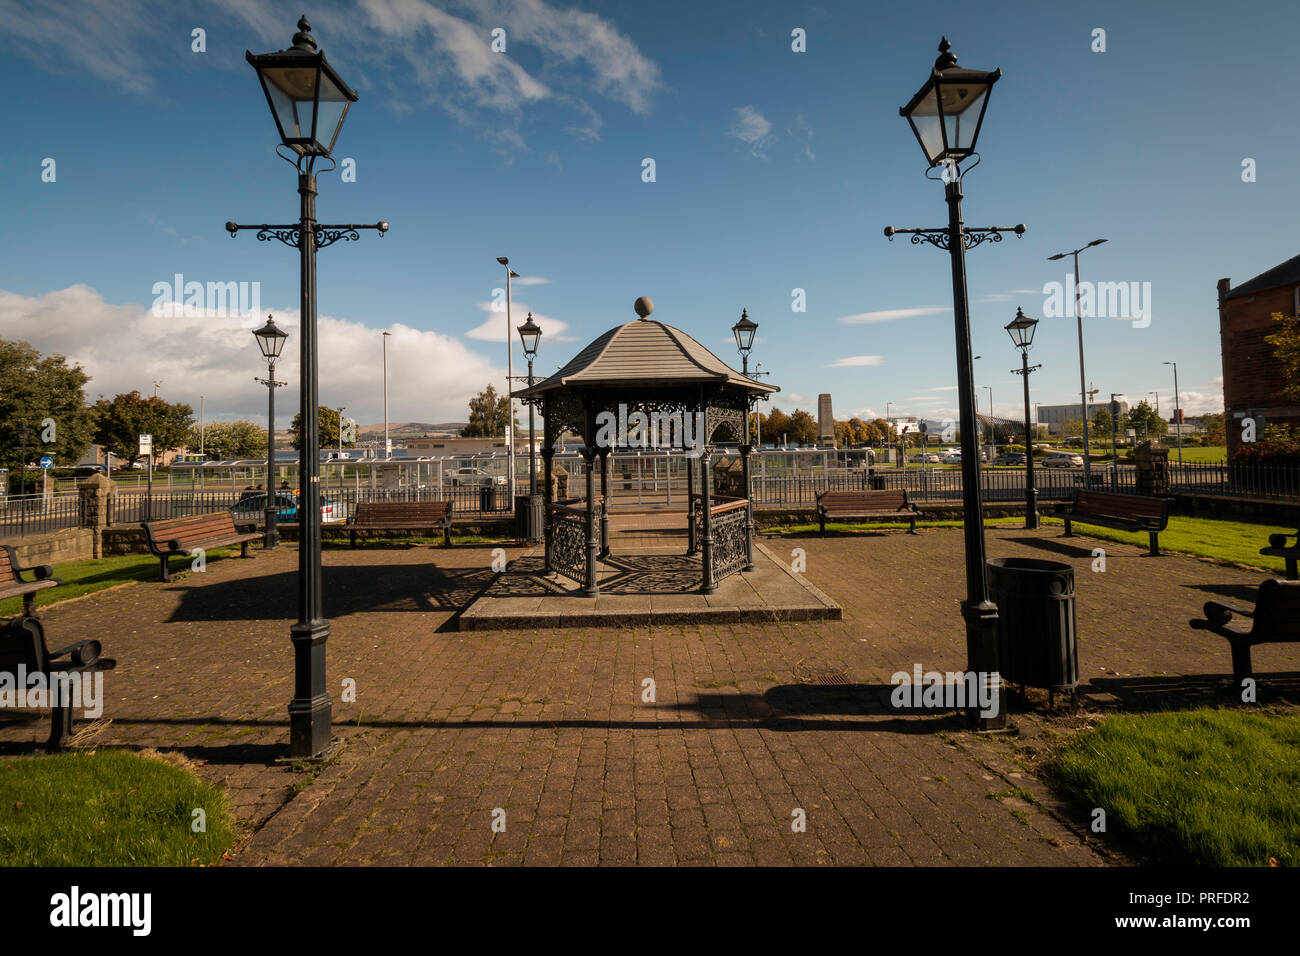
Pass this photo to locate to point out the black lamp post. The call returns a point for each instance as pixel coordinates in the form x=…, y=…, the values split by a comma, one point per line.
x=945, y=114
x=308, y=101
x=270, y=339
x=529, y=333
x=1021, y=329
x=744, y=330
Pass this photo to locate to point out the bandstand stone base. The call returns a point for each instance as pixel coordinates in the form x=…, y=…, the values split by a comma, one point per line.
x=643, y=589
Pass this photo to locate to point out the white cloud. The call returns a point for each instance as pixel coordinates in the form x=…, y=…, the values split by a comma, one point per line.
x=752, y=128
x=530, y=280
x=431, y=376
x=494, y=328
x=888, y=315
x=942, y=388
x=854, y=361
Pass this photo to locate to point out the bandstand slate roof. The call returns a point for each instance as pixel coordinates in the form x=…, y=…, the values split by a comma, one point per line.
x=641, y=353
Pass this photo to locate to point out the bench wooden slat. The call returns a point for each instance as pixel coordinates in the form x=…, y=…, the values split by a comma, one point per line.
x=1113, y=510
x=892, y=504
x=401, y=516
x=13, y=585
x=186, y=536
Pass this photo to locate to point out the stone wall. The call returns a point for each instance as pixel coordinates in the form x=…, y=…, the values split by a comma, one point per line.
x=58, y=547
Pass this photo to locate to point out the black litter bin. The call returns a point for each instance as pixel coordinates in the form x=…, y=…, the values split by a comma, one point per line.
x=1037, y=644
x=876, y=481
x=485, y=495
x=528, y=517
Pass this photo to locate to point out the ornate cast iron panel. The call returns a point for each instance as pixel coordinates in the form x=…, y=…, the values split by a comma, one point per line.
x=729, y=554
x=569, y=546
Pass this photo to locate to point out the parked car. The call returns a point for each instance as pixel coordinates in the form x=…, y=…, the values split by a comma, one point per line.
x=475, y=478
x=1063, y=460
x=1010, y=458
x=922, y=458
x=252, y=505
x=952, y=458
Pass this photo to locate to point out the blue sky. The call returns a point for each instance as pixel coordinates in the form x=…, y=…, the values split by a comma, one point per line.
x=775, y=171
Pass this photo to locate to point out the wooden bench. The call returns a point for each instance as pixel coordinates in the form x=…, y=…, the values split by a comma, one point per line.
x=12, y=583
x=1124, y=512
x=1278, y=548
x=1275, y=620
x=189, y=536
x=866, y=504
x=401, y=516
x=22, y=645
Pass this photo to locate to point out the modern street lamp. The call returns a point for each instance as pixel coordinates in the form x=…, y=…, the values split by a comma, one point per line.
x=1021, y=329
x=1114, y=442
x=529, y=334
x=946, y=114
x=388, y=445
x=1178, y=412
x=308, y=101
x=270, y=339
x=510, y=376
x=1083, y=388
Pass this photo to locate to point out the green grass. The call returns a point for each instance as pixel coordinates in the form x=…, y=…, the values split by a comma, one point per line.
x=86, y=577
x=1235, y=542
x=1208, y=787
x=107, y=808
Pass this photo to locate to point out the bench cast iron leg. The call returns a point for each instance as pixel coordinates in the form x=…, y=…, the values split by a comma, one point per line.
x=60, y=726
x=29, y=604
x=1155, y=543
x=912, y=530
x=1241, y=668
x=1291, y=569
x=163, y=576
x=1068, y=532
x=446, y=535
x=352, y=539
x=821, y=518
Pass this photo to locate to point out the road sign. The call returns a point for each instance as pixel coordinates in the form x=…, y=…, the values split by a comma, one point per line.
x=47, y=462
x=146, y=444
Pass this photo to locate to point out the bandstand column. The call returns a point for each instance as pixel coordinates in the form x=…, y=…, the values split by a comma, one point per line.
x=749, y=507
x=548, y=452
x=709, y=585
x=604, y=503
x=593, y=541
x=692, y=545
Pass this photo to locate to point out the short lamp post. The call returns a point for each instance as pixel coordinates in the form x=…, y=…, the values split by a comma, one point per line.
x=743, y=331
x=945, y=115
x=1021, y=329
x=308, y=101
x=529, y=334
x=270, y=339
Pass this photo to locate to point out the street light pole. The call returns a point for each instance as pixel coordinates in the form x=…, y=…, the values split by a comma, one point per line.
x=945, y=115
x=510, y=374
x=1178, y=413
x=1083, y=387
x=296, y=81
x=1021, y=329
x=270, y=340
x=388, y=445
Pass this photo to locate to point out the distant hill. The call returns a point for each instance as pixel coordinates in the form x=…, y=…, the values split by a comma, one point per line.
x=409, y=429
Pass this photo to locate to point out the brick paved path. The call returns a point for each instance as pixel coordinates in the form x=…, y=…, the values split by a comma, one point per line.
x=550, y=726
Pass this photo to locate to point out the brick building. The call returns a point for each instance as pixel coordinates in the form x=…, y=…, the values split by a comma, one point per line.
x=1252, y=377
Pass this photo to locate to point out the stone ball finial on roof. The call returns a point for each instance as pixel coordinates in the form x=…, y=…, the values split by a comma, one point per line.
x=644, y=306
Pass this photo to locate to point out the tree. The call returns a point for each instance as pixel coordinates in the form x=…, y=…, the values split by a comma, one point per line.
x=1101, y=422
x=776, y=425
x=1215, y=429
x=803, y=428
x=119, y=423
x=241, y=439
x=327, y=424
x=844, y=434
x=1144, y=421
x=488, y=415
x=44, y=398
x=1072, y=428
x=1286, y=347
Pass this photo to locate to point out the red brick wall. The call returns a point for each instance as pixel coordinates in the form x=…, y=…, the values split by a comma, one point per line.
x=1252, y=376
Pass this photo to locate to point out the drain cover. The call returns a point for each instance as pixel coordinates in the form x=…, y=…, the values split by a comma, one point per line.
x=831, y=677
x=809, y=672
